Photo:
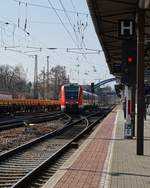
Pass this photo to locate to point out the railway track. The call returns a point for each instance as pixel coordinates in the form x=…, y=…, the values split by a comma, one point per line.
x=22, y=160
x=8, y=124
x=19, y=166
x=14, y=137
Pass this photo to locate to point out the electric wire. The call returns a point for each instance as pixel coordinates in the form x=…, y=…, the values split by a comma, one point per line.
x=51, y=5
x=82, y=35
x=47, y=7
x=65, y=11
x=67, y=16
x=67, y=29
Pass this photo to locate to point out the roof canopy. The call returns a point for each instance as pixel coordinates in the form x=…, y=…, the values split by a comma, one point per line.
x=105, y=15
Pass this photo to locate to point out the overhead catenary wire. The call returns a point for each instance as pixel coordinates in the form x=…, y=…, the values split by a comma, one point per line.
x=38, y=48
x=3, y=31
x=67, y=16
x=83, y=45
x=79, y=30
x=9, y=22
x=47, y=7
x=51, y=5
x=61, y=23
x=19, y=14
x=25, y=24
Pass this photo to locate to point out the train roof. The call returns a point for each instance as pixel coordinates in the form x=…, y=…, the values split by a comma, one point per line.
x=71, y=84
x=87, y=92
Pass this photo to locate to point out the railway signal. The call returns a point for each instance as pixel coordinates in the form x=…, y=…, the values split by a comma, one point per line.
x=129, y=62
x=92, y=88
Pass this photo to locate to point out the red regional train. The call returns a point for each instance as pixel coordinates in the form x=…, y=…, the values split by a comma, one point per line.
x=74, y=98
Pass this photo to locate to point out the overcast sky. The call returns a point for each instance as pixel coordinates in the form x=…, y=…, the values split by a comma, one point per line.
x=62, y=24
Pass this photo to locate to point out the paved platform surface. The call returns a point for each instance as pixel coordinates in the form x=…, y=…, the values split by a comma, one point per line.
x=106, y=159
x=128, y=169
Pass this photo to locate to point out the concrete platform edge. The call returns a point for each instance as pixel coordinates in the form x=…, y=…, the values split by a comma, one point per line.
x=108, y=161
x=63, y=169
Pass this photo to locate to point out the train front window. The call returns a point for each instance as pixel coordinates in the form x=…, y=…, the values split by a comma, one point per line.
x=71, y=95
x=71, y=92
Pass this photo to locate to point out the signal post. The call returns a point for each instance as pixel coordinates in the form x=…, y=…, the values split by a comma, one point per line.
x=140, y=82
x=129, y=62
x=128, y=125
x=132, y=63
x=92, y=91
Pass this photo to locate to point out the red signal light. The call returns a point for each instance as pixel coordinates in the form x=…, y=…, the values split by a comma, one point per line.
x=130, y=59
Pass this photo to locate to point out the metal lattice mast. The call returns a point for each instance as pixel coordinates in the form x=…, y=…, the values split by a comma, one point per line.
x=44, y=84
x=47, y=80
x=36, y=78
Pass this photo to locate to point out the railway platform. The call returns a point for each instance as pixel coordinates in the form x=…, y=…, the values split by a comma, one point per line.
x=106, y=159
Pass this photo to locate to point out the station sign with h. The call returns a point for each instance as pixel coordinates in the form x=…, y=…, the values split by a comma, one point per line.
x=126, y=28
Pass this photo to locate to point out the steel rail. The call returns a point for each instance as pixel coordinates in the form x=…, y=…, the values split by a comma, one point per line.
x=35, y=119
x=29, y=177
x=5, y=159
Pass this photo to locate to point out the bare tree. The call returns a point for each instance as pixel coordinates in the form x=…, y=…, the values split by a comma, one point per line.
x=56, y=77
x=42, y=84
x=12, y=79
